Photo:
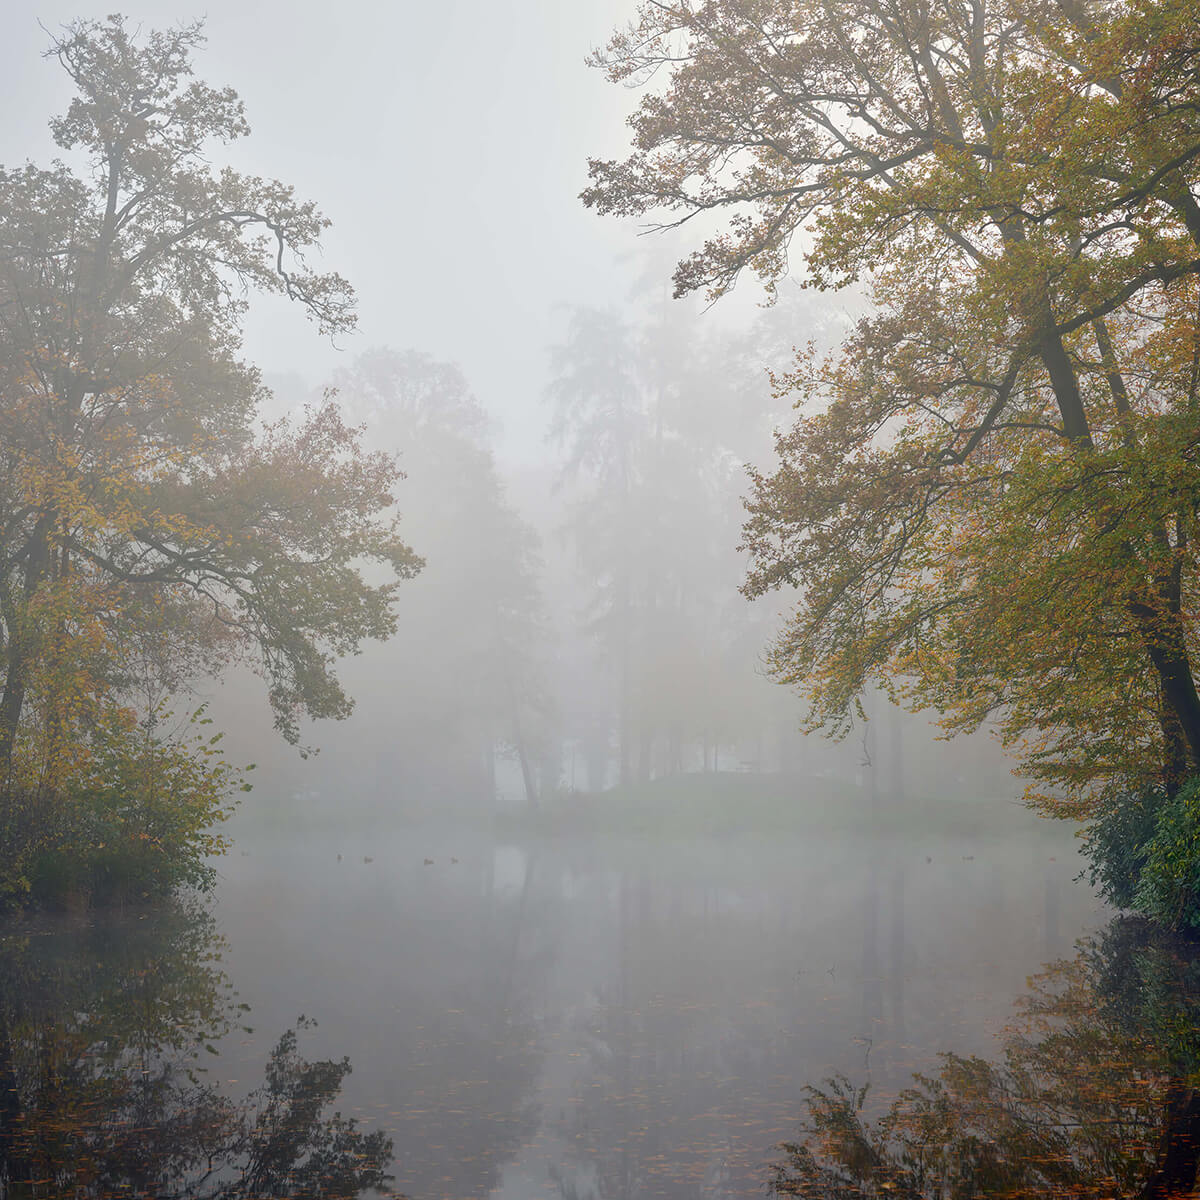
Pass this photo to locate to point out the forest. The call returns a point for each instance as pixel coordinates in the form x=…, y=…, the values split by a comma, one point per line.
x=656, y=667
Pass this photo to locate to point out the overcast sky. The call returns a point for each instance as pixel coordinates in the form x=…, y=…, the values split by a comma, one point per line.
x=447, y=142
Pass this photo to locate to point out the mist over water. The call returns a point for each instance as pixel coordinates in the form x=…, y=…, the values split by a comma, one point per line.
x=608, y=1016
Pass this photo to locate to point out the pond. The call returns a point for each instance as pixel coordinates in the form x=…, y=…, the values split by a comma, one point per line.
x=525, y=1017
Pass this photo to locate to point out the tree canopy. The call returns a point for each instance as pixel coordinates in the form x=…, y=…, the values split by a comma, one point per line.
x=988, y=503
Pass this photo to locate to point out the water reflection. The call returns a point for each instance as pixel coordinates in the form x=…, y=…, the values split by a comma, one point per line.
x=1096, y=1094
x=627, y=1019
x=103, y=1029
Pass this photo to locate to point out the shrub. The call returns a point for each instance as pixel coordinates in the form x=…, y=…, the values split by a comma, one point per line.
x=1145, y=855
x=137, y=821
x=1117, y=843
x=1168, y=889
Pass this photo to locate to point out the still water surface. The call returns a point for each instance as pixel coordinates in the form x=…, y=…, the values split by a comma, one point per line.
x=562, y=1018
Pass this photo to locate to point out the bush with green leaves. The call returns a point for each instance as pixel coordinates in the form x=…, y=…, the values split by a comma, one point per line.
x=137, y=821
x=1168, y=889
x=1145, y=855
x=1117, y=843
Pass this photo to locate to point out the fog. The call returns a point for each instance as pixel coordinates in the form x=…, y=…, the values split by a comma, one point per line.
x=448, y=150
x=571, y=887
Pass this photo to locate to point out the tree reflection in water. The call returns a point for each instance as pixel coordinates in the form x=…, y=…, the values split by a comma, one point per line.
x=101, y=1091
x=1097, y=1094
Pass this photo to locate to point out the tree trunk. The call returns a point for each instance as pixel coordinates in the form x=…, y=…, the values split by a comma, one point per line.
x=1175, y=748
x=20, y=650
x=11, y=705
x=896, y=790
x=1065, y=384
x=527, y=776
x=645, y=754
x=1158, y=614
x=1162, y=632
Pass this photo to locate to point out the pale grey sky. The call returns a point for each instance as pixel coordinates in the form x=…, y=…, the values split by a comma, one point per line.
x=447, y=142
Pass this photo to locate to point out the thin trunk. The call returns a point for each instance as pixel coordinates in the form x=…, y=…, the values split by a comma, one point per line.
x=871, y=754
x=896, y=731
x=1169, y=654
x=1163, y=636
x=625, y=689
x=13, y=701
x=489, y=771
x=1116, y=381
x=527, y=776
x=20, y=651
x=645, y=754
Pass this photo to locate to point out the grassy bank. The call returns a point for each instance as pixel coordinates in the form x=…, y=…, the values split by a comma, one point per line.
x=721, y=804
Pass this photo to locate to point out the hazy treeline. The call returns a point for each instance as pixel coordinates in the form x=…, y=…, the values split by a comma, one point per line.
x=577, y=624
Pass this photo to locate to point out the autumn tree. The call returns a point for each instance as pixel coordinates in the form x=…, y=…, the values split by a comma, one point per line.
x=101, y=1031
x=1094, y=1095
x=988, y=503
x=145, y=524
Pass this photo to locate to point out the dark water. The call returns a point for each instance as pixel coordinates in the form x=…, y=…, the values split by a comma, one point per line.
x=611, y=1019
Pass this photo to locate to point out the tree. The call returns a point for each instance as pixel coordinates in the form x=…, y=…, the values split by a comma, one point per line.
x=989, y=503
x=142, y=518
x=652, y=424
x=599, y=418
x=476, y=659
